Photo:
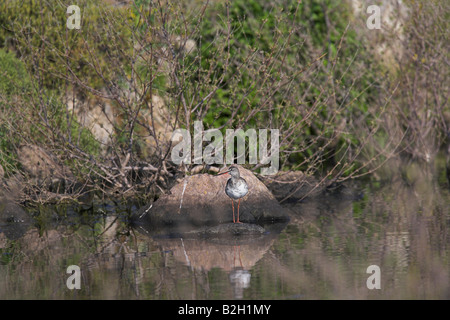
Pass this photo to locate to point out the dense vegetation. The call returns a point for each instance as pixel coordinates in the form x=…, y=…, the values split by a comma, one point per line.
x=309, y=68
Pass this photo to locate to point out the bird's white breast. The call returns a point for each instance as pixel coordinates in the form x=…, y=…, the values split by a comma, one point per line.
x=236, y=190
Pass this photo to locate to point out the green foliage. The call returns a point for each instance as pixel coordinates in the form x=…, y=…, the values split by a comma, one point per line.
x=14, y=78
x=18, y=96
x=71, y=130
x=295, y=66
x=280, y=38
x=37, y=29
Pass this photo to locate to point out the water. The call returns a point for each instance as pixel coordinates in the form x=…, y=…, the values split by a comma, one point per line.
x=400, y=225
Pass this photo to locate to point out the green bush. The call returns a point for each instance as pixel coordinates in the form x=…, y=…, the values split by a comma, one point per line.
x=19, y=119
x=286, y=39
x=14, y=78
x=37, y=29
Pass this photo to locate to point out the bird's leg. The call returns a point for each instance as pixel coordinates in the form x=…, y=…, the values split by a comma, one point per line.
x=239, y=202
x=232, y=204
x=239, y=252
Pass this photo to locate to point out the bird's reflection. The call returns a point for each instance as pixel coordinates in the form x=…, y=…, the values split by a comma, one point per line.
x=236, y=260
x=235, y=255
x=239, y=277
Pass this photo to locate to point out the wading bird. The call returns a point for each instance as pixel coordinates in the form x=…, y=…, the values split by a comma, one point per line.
x=236, y=188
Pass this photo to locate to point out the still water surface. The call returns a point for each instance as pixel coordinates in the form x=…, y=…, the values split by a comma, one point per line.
x=322, y=253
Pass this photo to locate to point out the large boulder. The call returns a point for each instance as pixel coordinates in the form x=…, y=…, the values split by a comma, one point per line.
x=292, y=186
x=200, y=200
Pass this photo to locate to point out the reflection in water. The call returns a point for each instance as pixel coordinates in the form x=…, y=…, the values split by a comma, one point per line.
x=235, y=256
x=239, y=277
x=323, y=253
x=240, y=280
x=397, y=249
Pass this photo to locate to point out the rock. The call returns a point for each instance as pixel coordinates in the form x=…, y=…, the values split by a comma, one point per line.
x=42, y=166
x=200, y=200
x=11, y=212
x=231, y=229
x=292, y=186
x=305, y=199
x=235, y=259
x=96, y=115
x=3, y=240
x=14, y=221
x=204, y=255
x=169, y=54
x=162, y=124
x=12, y=188
x=99, y=120
x=387, y=43
x=187, y=46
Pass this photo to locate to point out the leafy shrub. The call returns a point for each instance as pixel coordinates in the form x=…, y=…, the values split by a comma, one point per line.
x=20, y=120
x=37, y=29
x=14, y=78
x=296, y=67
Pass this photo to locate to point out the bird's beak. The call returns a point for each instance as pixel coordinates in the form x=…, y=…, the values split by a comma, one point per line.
x=219, y=174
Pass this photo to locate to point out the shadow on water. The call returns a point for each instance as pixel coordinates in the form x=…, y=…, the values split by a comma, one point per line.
x=400, y=224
